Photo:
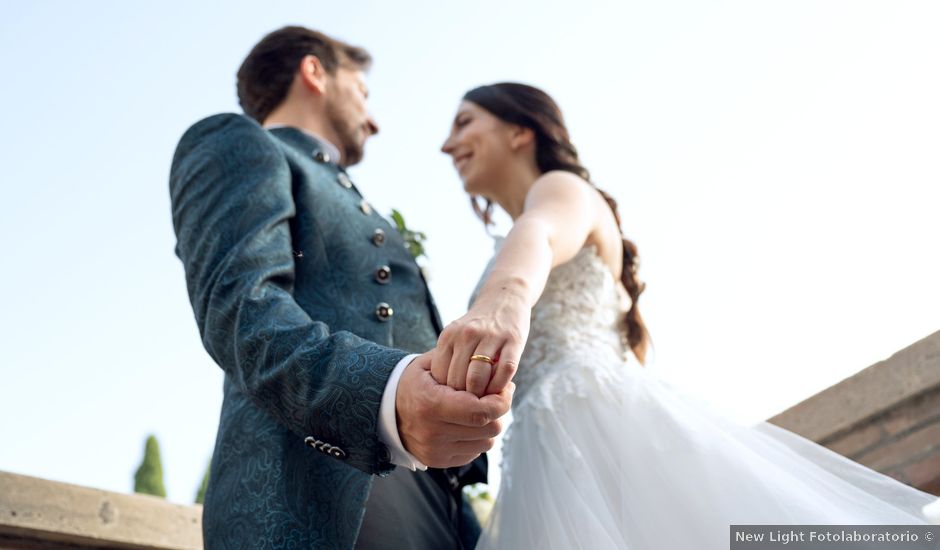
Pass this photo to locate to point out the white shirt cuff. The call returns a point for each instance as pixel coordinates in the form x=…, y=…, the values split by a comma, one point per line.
x=388, y=421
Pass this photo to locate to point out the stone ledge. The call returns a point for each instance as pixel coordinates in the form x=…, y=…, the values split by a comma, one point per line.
x=871, y=392
x=38, y=513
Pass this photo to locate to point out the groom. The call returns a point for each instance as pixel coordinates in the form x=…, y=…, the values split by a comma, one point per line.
x=311, y=303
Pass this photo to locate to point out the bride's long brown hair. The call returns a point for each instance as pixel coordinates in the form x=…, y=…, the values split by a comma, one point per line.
x=532, y=108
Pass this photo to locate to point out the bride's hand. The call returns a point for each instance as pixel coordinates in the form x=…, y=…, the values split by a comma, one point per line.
x=496, y=327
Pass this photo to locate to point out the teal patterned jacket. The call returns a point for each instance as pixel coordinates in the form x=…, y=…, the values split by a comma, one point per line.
x=307, y=299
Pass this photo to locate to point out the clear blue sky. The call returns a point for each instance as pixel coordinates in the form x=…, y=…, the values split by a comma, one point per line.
x=776, y=162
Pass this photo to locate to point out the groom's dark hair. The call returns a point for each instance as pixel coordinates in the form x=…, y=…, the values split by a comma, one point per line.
x=267, y=73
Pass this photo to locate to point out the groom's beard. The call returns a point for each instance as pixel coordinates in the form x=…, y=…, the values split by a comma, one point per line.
x=352, y=137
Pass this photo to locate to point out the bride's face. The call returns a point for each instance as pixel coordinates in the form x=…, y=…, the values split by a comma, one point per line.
x=479, y=144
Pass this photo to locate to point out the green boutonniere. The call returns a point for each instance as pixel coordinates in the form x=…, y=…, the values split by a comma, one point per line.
x=414, y=240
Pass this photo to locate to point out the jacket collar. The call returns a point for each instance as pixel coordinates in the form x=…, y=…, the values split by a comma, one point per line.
x=321, y=149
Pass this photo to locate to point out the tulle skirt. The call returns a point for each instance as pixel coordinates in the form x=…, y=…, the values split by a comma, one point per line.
x=618, y=458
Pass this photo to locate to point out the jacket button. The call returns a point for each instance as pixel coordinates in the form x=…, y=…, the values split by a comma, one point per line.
x=383, y=274
x=336, y=452
x=311, y=442
x=321, y=156
x=364, y=206
x=384, y=311
x=378, y=237
x=344, y=180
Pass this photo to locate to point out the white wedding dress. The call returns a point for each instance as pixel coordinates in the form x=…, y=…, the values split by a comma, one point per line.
x=602, y=454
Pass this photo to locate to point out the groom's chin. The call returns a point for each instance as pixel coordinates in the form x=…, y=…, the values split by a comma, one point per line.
x=352, y=155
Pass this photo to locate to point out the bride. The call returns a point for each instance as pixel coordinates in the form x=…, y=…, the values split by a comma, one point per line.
x=602, y=453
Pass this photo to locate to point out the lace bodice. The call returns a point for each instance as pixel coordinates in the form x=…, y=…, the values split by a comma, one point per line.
x=602, y=454
x=576, y=324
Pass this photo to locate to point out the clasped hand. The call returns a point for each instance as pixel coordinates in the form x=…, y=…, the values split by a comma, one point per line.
x=496, y=327
x=449, y=407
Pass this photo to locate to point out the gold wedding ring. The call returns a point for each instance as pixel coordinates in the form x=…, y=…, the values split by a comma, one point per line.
x=482, y=358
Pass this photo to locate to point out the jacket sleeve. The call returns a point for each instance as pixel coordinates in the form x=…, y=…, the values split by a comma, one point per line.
x=230, y=187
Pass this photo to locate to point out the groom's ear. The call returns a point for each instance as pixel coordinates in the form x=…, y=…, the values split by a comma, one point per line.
x=312, y=74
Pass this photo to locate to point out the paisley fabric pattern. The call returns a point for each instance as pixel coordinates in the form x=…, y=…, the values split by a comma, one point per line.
x=280, y=266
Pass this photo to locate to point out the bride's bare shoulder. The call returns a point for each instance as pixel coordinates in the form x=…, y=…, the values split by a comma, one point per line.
x=560, y=183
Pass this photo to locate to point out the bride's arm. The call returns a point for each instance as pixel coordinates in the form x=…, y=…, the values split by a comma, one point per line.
x=557, y=219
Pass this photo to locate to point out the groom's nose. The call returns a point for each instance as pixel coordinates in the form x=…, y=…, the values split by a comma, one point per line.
x=372, y=125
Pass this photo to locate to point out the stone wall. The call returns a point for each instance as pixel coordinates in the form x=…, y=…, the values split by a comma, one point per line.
x=38, y=513
x=886, y=417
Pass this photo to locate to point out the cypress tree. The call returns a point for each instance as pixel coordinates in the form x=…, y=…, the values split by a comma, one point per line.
x=201, y=493
x=149, y=477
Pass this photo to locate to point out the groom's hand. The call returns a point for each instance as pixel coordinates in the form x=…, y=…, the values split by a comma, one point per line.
x=443, y=427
